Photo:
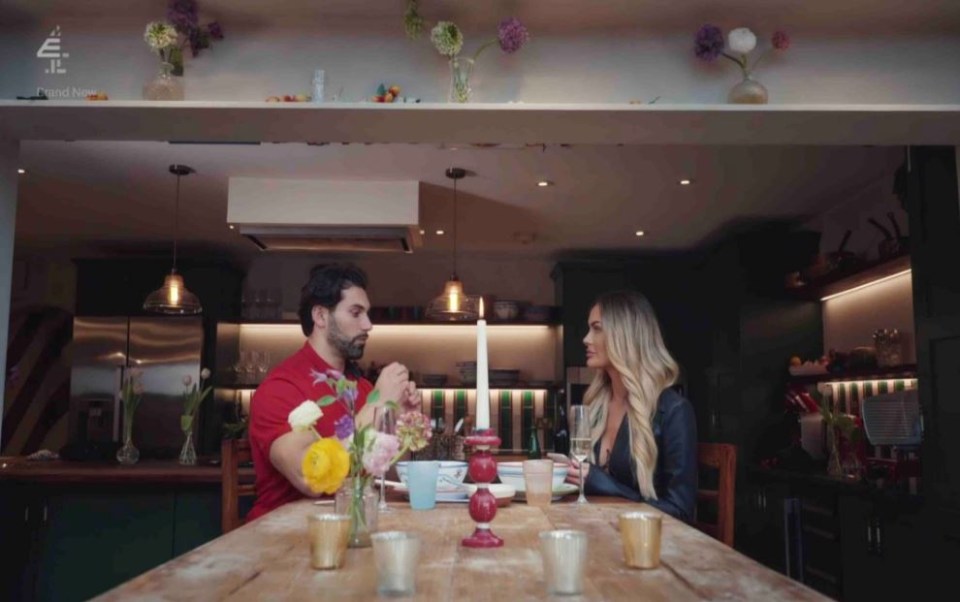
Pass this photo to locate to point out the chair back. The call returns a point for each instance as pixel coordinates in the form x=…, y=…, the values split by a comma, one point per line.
x=233, y=453
x=723, y=458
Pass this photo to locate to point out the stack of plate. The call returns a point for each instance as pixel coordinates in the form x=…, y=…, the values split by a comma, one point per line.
x=504, y=378
x=468, y=372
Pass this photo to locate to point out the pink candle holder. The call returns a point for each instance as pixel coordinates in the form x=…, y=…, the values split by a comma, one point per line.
x=483, y=505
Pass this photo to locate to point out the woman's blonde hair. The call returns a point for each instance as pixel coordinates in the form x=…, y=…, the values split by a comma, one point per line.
x=636, y=351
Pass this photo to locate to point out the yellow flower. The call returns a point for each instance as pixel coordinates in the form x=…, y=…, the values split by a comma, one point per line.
x=325, y=465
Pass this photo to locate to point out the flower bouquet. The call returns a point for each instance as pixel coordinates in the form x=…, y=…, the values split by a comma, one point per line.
x=193, y=395
x=169, y=39
x=347, y=463
x=709, y=45
x=448, y=40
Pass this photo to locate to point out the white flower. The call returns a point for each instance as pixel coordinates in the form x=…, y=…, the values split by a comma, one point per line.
x=304, y=416
x=160, y=35
x=205, y=373
x=187, y=380
x=741, y=40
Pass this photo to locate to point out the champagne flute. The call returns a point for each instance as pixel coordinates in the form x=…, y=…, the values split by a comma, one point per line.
x=385, y=421
x=580, y=441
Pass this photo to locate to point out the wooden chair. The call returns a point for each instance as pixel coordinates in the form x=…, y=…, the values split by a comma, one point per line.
x=723, y=458
x=233, y=453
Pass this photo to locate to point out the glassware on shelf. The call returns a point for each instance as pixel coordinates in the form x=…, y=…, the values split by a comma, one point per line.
x=261, y=365
x=246, y=301
x=889, y=347
x=270, y=304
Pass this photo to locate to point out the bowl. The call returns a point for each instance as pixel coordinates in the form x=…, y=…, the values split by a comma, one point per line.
x=511, y=473
x=503, y=492
x=506, y=310
x=449, y=477
x=537, y=313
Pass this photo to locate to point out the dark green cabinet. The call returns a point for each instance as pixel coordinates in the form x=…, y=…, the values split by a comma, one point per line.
x=73, y=543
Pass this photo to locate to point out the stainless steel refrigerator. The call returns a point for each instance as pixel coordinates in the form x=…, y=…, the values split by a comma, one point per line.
x=103, y=349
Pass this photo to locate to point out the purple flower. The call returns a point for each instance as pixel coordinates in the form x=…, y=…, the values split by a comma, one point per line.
x=215, y=31
x=334, y=374
x=350, y=395
x=512, y=35
x=183, y=15
x=780, y=40
x=343, y=427
x=708, y=43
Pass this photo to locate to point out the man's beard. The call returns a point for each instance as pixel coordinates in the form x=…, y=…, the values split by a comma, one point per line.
x=350, y=349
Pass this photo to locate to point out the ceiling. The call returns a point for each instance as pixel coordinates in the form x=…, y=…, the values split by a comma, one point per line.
x=85, y=198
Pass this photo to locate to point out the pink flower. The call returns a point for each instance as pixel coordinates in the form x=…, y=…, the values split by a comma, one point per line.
x=780, y=40
x=379, y=457
x=414, y=431
x=187, y=380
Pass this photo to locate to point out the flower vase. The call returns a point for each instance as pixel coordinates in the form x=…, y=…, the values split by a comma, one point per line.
x=188, y=453
x=834, y=467
x=460, y=69
x=128, y=454
x=356, y=499
x=748, y=92
x=165, y=86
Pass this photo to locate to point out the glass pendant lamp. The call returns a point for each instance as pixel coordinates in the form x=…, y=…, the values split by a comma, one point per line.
x=173, y=297
x=453, y=304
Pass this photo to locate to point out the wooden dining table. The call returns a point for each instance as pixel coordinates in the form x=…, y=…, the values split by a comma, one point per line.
x=269, y=559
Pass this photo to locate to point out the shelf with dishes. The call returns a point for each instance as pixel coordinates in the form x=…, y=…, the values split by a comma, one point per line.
x=905, y=371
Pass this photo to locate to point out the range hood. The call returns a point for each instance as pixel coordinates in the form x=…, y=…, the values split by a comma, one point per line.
x=326, y=215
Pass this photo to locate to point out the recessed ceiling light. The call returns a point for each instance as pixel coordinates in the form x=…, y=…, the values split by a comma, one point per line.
x=21, y=171
x=640, y=233
x=231, y=226
x=686, y=182
x=439, y=232
x=423, y=232
x=544, y=183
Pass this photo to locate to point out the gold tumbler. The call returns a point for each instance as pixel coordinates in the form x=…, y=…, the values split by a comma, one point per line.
x=329, y=535
x=640, y=533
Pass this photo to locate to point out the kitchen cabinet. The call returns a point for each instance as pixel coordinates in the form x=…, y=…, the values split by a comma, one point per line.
x=74, y=542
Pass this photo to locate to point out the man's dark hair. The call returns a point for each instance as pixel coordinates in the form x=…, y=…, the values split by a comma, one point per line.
x=325, y=287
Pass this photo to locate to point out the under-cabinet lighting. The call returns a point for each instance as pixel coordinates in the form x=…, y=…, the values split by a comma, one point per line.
x=867, y=285
x=439, y=232
x=685, y=182
x=640, y=233
x=21, y=171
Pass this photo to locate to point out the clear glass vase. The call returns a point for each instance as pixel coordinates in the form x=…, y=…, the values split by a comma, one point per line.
x=749, y=91
x=165, y=86
x=128, y=454
x=834, y=467
x=357, y=499
x=460, y=70
x=188, y=453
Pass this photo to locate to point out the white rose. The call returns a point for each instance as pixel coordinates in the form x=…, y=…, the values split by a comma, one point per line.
x=304, y=416
x=205, y=373
x=741, y=40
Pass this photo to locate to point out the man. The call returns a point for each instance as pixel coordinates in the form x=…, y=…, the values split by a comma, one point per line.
x=334, y=317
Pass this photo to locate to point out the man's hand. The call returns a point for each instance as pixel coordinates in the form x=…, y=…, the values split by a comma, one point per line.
x=412, y=399
x=393, y=383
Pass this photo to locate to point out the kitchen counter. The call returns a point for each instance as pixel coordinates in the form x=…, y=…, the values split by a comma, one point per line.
x=146, y=472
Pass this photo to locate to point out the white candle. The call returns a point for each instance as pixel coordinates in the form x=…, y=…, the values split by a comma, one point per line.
x=483, y=386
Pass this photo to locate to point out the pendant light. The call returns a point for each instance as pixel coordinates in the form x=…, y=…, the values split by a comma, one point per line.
x=453, y=305
x=173, y=297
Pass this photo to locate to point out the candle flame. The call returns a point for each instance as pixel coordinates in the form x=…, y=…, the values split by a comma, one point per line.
x=481, y=308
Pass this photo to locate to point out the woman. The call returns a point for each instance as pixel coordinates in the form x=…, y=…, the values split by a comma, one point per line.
x=644, y=433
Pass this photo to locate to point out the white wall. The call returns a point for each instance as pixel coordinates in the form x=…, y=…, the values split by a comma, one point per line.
x=256, y=61
x=9, y=151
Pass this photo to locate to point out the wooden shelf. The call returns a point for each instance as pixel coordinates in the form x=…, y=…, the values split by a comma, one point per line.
x=894, y=372
x=844, y=280
x=401, y=323
x=516, y=123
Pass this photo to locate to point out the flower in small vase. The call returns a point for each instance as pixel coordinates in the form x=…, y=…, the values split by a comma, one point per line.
x=381, y=453
x=780, y=40
x=325, y=465
x=708, y=43
x=413, y=429
x=512, y=35
x=741, y=40
x=447, y=38
x=182, y=28
x=193, y=396
x=343, y=427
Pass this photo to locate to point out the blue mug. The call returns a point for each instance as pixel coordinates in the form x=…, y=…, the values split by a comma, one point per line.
x=422, y=483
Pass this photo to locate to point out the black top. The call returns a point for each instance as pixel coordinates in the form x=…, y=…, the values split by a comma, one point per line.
x=675, y=477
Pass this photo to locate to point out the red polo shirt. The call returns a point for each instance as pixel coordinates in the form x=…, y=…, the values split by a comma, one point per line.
x=297, y=379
